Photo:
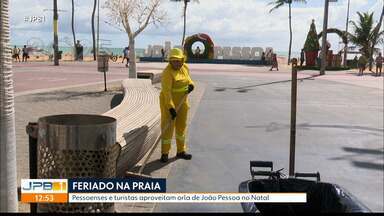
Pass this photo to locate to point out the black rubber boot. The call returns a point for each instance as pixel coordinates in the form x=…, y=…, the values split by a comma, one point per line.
x=184, y=156
x=164, y=158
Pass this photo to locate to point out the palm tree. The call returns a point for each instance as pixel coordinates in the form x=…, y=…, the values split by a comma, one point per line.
x=73, y=29
x=278, y=3
x=364, y=35
x=376, y=37
x=184, y=17
x=93, y=29
x=8, y=180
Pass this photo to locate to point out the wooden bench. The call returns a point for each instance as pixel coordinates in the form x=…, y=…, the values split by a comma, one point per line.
x=138, y=122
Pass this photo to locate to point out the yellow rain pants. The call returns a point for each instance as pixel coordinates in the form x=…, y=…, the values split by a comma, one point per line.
x=174, y=86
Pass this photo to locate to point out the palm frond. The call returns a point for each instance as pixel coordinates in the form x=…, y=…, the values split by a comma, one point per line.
x=276, y=4
x=364, y=34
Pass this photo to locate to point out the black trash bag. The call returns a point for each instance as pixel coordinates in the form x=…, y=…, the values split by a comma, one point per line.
x=321, y=197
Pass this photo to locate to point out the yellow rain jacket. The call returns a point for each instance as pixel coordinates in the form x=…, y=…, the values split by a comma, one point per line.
x=174, y=86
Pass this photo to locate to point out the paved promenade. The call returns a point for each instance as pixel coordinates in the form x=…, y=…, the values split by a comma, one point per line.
x=238, y=113
x=37, y=76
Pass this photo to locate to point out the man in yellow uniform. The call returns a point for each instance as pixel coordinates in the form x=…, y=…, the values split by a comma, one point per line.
x=175, y=85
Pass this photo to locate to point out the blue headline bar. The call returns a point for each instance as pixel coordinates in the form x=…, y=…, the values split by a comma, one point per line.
x=93, y=185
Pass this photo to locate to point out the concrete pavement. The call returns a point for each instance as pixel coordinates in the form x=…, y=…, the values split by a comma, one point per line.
x=239, y=113
x=243, y=118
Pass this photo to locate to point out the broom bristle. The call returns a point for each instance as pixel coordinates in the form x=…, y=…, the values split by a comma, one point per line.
x=136, y=175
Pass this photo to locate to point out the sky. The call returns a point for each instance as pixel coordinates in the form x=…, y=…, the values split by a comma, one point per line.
x=228, y=22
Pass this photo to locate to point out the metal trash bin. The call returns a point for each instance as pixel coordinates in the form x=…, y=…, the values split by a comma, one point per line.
x=102, y=62
x=77, y=146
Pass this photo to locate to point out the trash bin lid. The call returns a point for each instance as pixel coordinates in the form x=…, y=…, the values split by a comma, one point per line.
x=77, y=132
x=77, y=120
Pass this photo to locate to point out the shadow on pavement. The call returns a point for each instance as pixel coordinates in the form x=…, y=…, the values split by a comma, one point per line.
x=68, y=95
x=244, y=89
x=153, y=166
x=379, y=151
x=369, y=73
x=376, y=154
x=273, y=126
x=116, y=100
x=368, y=165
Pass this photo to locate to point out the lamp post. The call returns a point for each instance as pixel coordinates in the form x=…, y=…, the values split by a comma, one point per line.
x=324, y=37
x=55, y=31
x=55, y=34
x=98, y=28
x=346, y=32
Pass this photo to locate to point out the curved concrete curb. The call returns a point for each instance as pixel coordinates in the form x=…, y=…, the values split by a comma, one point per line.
x=154, y=75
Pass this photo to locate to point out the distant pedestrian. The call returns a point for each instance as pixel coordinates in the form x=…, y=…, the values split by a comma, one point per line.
x=162, y=54
x=355, y=60
x=268, y=56
x=379, y=64
x=25, y=53
x=16, y=53
x=79, y=51
x=302, y=57
x=263, y=58
x=362, y=62
x=126, y=55
x=318, y=58
x=197, y=51
x=274, y=62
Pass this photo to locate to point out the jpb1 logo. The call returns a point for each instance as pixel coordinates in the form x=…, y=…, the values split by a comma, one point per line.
x=44, y=186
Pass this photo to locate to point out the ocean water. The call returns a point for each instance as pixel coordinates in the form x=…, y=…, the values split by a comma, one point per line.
x=285, y=54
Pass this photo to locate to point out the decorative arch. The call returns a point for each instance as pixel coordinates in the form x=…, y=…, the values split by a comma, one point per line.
x=342, y=34
x=203, y=38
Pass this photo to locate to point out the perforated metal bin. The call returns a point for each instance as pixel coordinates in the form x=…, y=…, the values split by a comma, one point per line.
x=77, y=146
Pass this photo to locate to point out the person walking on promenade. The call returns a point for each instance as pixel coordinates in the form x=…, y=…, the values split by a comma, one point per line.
x=162, y=54
x=25, y=53
x=176, y=83
x=126, y=55
x=16, y=54
x=379, y=64
x=274, y=62
x=197, y=51
x=362, y=62
x=263, y=58
x=302, y=57
x=355, y=60
x=269, y=56
x=79, y=51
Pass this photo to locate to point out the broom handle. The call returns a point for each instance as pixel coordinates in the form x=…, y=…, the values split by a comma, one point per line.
x=158, y=138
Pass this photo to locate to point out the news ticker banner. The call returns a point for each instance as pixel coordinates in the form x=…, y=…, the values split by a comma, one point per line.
x=132, y=191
